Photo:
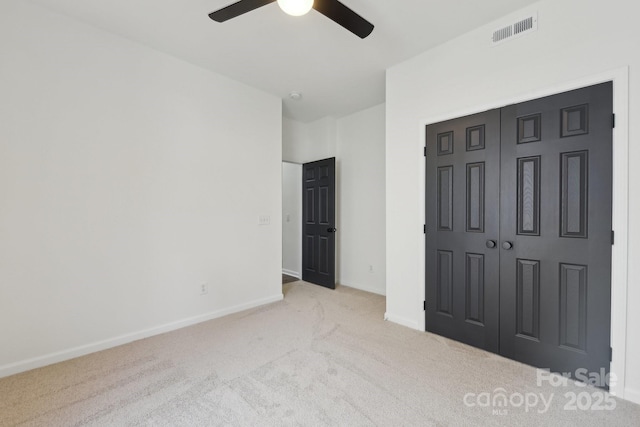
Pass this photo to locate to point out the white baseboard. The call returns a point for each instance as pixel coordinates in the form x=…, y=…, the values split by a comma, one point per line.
x=363, y=288
x=403, y=321
x=61, y=356
x=632, y=395
x=291, y=273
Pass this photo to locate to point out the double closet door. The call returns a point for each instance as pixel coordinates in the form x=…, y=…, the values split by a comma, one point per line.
x=518, y=230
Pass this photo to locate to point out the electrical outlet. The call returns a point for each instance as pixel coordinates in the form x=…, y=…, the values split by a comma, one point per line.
x=204, y=289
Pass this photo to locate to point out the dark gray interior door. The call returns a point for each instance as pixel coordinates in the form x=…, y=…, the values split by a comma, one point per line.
x=318, y=222
x=518, y=230
x=463, y=164
x=556, y=230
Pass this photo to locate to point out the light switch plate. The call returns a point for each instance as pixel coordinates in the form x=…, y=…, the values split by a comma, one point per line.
x=264, y=220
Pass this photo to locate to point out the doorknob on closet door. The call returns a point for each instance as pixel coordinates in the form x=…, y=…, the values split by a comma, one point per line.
x=506, y=245
x=491, y=244
x=331, y=230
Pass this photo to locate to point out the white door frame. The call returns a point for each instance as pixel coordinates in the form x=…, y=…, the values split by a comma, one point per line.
x=620, y=214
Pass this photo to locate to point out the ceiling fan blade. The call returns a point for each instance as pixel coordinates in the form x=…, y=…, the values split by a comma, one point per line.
x=344, y=16
x=237, y=9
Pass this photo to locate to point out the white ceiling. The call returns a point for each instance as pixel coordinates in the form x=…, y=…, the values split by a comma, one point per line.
x=337, y=72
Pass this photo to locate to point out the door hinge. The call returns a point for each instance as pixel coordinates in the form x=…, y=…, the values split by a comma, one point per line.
x=610, y=354
x=424, y=305
x=424, y=229
x=613, y=237
x=613, y=121
x=425, y=151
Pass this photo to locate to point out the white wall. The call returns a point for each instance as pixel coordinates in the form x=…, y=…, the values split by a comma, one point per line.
x=576, y=40
x=357, y=143
x=292, y=219
x=308, y=142
x=361, y=207
x=127, y=179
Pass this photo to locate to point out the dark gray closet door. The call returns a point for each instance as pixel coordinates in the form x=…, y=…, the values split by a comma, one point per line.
x=462, y=225
x=518, y=230
x=555, y=218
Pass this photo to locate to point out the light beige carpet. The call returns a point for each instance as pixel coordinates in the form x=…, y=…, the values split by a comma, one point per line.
x=319, y=357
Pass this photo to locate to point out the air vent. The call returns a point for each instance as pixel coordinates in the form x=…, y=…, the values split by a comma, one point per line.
x=519, y=28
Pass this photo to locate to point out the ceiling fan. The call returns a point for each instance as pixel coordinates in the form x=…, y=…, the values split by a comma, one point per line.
x=332, y=9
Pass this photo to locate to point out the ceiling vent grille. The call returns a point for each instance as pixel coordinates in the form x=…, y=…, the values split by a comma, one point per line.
x=519, y=28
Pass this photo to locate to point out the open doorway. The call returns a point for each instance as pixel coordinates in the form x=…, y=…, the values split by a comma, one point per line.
x=291, y=221
x=309, y=222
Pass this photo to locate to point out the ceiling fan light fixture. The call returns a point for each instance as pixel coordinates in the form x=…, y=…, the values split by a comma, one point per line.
x=295, y=7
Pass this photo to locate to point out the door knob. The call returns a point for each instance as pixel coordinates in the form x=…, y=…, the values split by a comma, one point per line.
x=491, y=244
x=507, y=245
x=332, y=230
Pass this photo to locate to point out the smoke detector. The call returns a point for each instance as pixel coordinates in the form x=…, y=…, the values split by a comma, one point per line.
x=296, y=96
